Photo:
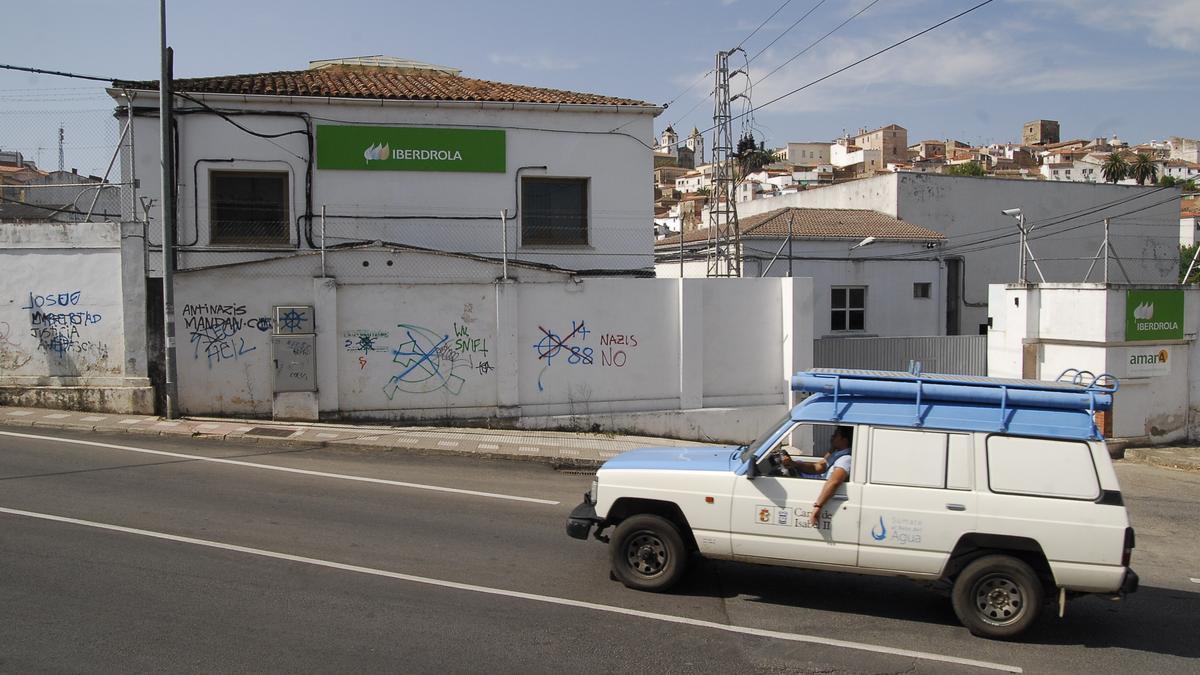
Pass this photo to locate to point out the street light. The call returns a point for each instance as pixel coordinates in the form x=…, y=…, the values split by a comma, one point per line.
x=1024, y=246
x=865, y=242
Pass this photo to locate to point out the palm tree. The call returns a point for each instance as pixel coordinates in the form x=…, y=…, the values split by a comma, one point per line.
x=1115, y=168
x=1143, y=169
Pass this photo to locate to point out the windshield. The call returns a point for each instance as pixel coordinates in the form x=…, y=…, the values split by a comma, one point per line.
x=764, y=436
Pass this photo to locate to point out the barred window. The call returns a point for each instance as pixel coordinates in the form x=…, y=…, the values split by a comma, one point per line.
x=554, y=211
x=248, y=207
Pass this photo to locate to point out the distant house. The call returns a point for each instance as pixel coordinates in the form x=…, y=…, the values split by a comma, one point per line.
x=873, y=274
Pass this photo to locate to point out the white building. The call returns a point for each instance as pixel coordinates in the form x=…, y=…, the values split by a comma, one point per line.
x=844, y=155
x=402, y=152
x=981, y=245
x=873, y=275
x=805, y=154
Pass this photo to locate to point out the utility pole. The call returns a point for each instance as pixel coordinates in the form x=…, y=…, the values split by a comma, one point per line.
x=724, y=234
x=61, y=137
x=167, y=206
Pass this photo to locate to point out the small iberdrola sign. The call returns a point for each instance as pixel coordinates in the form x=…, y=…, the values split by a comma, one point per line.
x=1153, y=315
x=371, y=148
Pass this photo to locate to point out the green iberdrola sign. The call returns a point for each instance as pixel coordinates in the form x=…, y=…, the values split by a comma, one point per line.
x=369, y=148
x=1153, y=315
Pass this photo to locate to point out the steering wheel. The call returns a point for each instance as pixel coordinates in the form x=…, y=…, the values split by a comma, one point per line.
x=776, y=460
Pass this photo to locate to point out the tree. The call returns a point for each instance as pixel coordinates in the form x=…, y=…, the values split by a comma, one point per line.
x=704, y=191
x=1166, y=181
x=971, y=168
x=1186, y=253
x=1115, y=168
x=1142, y=169
x=1188, y=185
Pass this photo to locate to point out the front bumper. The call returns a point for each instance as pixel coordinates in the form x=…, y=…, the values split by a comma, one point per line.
x=582, y=518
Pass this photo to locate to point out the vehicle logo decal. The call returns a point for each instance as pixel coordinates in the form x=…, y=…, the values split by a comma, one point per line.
x=882, y=533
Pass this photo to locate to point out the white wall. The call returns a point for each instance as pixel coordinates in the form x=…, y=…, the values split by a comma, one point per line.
x=626, y=354
x=72, y=317
x=617, y=166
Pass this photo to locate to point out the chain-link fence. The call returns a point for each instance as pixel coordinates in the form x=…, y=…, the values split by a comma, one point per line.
x=59, y=155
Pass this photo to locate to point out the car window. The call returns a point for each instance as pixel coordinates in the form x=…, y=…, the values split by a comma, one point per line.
x=910, y=458
x=1041, y=467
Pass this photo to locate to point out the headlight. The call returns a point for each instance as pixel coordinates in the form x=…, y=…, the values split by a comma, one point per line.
x=595, y=490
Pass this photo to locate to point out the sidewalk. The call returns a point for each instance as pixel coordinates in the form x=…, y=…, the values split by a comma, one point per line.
x=1184, y=457
x=582, y=450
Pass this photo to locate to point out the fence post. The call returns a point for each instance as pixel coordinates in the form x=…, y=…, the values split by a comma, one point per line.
x=504, y=243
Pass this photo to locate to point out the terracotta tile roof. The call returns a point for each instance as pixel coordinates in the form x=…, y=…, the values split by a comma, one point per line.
x=848, y=224
x=379, y=83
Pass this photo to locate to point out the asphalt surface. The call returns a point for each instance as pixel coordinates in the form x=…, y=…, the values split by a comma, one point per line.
x=85, y=597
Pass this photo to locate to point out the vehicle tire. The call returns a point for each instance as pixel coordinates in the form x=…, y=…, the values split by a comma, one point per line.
x=647, y=553
x=997, y=596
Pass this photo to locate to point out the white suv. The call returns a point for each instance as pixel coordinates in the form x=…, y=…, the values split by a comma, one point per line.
x=1003, y=487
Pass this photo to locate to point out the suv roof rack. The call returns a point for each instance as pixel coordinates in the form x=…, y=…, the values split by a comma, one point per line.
x=1073, y=390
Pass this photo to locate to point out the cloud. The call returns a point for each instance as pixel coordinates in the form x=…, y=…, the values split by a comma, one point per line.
x=1160, y=23
x=542, y=62
x=1008, y=59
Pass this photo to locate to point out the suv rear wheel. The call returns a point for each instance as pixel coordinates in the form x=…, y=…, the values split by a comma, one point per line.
x=997, y=596
x=647, y=553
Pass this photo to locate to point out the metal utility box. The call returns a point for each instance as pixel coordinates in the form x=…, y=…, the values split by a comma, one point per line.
x=295, y=362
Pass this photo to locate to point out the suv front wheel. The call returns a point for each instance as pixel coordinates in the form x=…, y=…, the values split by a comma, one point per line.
x=997, y=596
x=647, y=553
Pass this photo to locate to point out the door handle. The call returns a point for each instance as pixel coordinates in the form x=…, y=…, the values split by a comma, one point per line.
x=956, y=507
x=838, y=498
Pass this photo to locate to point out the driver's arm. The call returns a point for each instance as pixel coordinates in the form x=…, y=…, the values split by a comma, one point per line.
x=836, y=478
x=815, y=466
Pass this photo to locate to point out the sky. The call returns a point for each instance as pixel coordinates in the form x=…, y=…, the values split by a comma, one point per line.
x=1099, y=67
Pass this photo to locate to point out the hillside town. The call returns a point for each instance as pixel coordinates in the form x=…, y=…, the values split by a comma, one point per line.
x=683, y=180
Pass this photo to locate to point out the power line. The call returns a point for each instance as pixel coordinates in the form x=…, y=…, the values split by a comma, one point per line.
x=40, y=71
x=785, y=4
x=787, y=30
x=819, y=40
x=871, y=56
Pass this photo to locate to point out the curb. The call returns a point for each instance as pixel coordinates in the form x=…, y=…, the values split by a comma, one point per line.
x=1154, y=457
x=416, y=450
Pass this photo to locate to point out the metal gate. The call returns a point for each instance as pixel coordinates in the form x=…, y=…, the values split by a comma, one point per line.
x=953, y=354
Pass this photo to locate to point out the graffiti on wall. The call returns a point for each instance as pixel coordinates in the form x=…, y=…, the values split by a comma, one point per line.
x=218, y=331
x=61, y=325
x=423, y=360
x=12, y=354
x=580, y=346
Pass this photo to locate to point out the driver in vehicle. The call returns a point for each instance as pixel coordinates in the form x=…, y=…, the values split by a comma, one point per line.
x=833, y=468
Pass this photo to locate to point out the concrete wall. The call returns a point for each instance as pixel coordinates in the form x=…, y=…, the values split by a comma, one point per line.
x=72, y=327
x=708, y=359
x=567, y=142
x=1145, y=225
x=1041, y=331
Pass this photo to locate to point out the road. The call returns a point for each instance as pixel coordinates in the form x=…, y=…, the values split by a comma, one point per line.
x=285, y=560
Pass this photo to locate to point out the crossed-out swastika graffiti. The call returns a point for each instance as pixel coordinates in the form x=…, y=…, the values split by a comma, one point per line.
x=427, y=364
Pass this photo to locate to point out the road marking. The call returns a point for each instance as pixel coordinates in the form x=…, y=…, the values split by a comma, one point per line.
x=547, y=599
x=448, y=444
x=207, y=426
x=327, y=435
x=528, y=450
x=129, y=421
x=269, y=467
x=488, y=446
x=18, y=413
x=90, y=419
x=56, y=416
x=1195, y=580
